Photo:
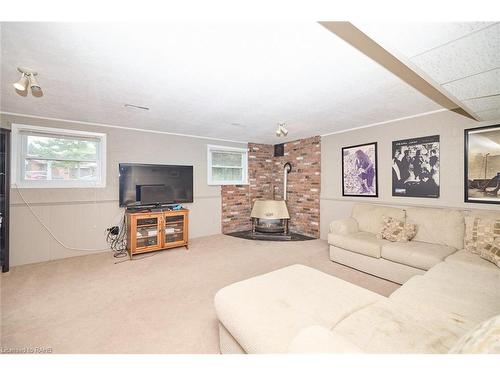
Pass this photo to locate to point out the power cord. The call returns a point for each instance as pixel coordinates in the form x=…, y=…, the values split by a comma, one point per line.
x=48, y=229
x=116, y=238
x=135, y=258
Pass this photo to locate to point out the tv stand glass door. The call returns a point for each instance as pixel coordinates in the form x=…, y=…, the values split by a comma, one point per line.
x=175, y=232
x=146, y=233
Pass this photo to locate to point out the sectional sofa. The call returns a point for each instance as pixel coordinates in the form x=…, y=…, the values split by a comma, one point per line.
x=298, y=309
x=353, y=241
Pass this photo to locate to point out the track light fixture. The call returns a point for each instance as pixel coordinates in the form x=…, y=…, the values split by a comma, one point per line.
x=28, y=78
x=281, y=131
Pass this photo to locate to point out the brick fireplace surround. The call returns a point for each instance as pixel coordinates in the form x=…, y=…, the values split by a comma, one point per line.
x=265, y=177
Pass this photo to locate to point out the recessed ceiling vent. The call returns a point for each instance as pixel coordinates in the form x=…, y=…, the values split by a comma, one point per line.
x=137, y=107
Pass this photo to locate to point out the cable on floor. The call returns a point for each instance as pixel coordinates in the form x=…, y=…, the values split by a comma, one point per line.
x=135, y=258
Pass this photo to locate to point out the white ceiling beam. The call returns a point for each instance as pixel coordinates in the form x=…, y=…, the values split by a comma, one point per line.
x=398, y=66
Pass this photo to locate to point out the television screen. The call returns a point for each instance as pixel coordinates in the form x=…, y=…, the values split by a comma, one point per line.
x=149, y=184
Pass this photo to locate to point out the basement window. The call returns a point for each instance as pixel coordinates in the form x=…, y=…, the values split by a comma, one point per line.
x=227, y=165
x=57, y=158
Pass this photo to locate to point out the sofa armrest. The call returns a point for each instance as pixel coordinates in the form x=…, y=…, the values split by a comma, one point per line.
x=318, y=339
x=344, y=226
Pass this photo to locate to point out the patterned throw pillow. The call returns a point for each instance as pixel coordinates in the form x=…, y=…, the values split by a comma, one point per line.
x=482, y=237
x=483, y=339
x=491, y=252
x=395, y=230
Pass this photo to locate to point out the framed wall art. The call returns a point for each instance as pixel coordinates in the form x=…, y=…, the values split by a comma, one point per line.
x=359, y=170
x=415, y=167
x=482, y=165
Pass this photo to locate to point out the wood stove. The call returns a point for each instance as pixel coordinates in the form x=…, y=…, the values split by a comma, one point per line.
x=270, y=217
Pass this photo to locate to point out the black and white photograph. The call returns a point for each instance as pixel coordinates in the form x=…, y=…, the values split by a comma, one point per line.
x=482, y=165
x=359, y=170
x=415, y=167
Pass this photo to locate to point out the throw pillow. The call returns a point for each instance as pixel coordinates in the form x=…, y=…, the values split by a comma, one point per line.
x=482, y=237
x=491, y=252
x=483, y=339
x=396, y=230
x=478, y=232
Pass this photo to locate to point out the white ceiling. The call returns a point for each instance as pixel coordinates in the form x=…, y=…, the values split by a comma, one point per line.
x=238, y=80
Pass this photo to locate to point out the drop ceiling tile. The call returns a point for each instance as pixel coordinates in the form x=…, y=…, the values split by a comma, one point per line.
x=483, y=104
x=494, y=114
x=483, y=84
x=472, y=54
x=413, y=38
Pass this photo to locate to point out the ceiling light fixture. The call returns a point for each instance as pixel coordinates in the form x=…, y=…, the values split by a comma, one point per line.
x=282, y=130
x=28, y=78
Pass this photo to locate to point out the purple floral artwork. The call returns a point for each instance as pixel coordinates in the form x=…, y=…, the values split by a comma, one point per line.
x=359, y=170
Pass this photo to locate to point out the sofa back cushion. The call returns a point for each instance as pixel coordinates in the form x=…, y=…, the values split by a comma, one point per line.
x=438, y=225
x=370, y=217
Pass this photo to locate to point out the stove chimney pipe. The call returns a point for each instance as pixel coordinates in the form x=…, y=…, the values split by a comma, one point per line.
x=287, y=168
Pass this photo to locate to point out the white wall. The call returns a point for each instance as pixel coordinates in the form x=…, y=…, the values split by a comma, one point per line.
x=79, y=217
x=449, y=125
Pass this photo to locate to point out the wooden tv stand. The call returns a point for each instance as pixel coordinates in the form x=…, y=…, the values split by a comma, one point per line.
x=153, y=231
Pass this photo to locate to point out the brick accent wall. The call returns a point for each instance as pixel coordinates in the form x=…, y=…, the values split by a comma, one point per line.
x=237, y=200
x=265, y=177
x=260, y=171
x=235, y=208
x=304, y=184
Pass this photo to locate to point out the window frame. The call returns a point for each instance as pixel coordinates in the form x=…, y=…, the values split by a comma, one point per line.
x=19, y=155
x=244, y=166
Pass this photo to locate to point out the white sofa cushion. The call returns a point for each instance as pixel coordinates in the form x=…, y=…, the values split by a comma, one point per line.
x=360, y=242
x=454, y=288
x=471, y=260
x=380, y=267
x=317, y=339
x=227, y=343
x=483, y=339
x=437, y=225
x=266, y=312
x=465, y=274
x=416, y=254
x=370, y=217
x=390, y=327
x=344, y=226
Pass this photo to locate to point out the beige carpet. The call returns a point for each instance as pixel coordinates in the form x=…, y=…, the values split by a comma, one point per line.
x=159, y=304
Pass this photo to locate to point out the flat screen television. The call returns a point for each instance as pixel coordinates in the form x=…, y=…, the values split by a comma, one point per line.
x=153, y=185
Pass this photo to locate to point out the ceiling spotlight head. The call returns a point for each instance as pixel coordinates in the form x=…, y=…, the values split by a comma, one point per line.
x=28, y=77
x=22, y=84
x=33, y=82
